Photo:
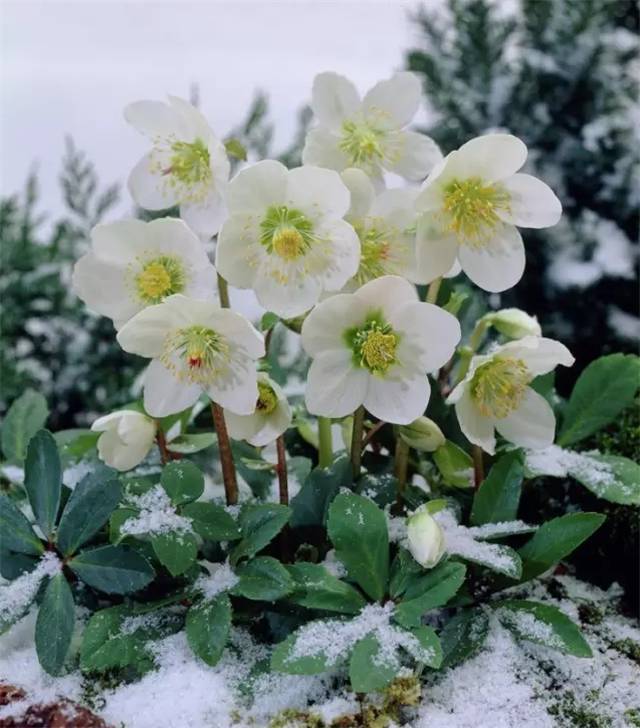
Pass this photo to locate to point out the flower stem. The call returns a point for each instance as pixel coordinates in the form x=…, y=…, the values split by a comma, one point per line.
x=401, y=466
x=478, y=465
x=433, y=290
x=356, y=441
x=281, y=469
x=223, y=292
x=165, y=455
x=372, y=433
x=325, y=446
x=226, y=457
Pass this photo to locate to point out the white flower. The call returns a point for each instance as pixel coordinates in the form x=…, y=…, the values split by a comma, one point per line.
x=471, y=203
x=134, y=264
x=374, y=347
x=187, y=165
x=272, y=416
x=368, y=133
x=495, y=394
x=514, y=323
x=385, y=225
x=127, y=436
x=285, y=236
x=425, y=538
x=196, y=347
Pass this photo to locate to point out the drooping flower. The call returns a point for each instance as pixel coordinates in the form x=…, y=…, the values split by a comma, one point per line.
x=495, y=394
x=385, y=224
x=470, y=206
x=374, y=347
x=187, y=165
x=127, y=436
x=422, y=434
x=134, y=264
x=271, y=417
x=196, y=347
x=425, y=538
x=368, y=133
x=514, y=323
x=285, y=236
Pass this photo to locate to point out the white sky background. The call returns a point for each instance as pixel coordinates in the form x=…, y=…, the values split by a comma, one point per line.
x=69, y=67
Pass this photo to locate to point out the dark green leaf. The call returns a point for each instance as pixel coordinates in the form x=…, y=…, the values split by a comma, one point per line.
x=455, y=465
x=602, y=391
x=316, y=588
x=54, y=626
x=543, y=624
x=260, y=523
x=16, y=533
x=428, y=591
x=358, y=530
x=193, y=442
x=208, y=625
x=75, y=444
x=183, y=481
x=498, y=497
x=311, y=504
x=212, y=521
x=283, y=658
x=367, y=671
x=87, y=510
x=24, y=418
x=263, y=578
x=117, y=519
x=621, y=482
x=430, y=647
x=43, y=479
x=176, y=550
x=13, y=565
x=463, y=636
x=403, y=569
x=112, y=569
x=555, y=540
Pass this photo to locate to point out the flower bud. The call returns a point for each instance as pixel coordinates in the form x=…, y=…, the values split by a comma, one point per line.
x=426, y=540
x=422, y=434
x=514, y=323
x=127, y=436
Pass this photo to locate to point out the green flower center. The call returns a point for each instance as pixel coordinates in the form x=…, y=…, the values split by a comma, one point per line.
x=159, y=278
x=470, y=207
x=286, y=232
x=190, y=163
x=374, y=345
x=202, y=354
x=378, y=252
x=361, y=142
x=267, y=399
x=498, y=387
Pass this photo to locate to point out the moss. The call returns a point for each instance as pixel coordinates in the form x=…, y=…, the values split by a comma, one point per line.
x=628, y=648
x=570, y=713
x=291, y=718
x=621, y=437
x=589, y=613
x=632, y=716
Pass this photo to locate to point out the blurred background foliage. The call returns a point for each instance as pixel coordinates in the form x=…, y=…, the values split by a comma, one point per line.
x=558, y=74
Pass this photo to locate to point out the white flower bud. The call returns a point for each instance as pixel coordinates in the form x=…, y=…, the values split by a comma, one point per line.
x=426, y=540
x=514, y=323
x=422, y=434
x=127, y=436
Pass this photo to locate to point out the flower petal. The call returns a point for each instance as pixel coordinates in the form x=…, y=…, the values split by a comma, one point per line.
x=235, y=252
x=492, y=157
x=238, y=330
x=154, y=119
x=324, y=328
x=122, y=241
x=541, y=355
x=393, y=103
x=361, y=190
x=400, y=400
x=149, y=189
x=164, y=393
x=257, y=187
x=242, y=427
x=205, y=217
x=344, y=258
x=317, y=192
x=532, y=425
x=418, y=154
x=388, y=294
x=436, y=250
x=424, y=322
x=321, y=148
x=478, y=429
x=289, y=299
x=533, y=203
x=146, y=332
x=333, y=99
x=335, y=388
x=238, y=391
x=497, y=266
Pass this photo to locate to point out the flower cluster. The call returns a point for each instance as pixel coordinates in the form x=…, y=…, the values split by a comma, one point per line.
x=326, y=244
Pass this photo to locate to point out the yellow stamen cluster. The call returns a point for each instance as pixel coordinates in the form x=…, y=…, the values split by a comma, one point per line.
x=288, y=243
x=361, y=142
x=380, y=252
x=375, y=347
x=159, y=278
x=470, y=207
x=190, y=168
x=287, y=233
x=196, y=354
x=498, y=387
x=267, y=399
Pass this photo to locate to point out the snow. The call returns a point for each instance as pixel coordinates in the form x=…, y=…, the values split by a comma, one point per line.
x=16, y=596
x=157, y=515
x=73, y=474
x=221, y=578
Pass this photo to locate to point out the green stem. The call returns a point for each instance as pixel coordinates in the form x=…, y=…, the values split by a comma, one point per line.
x=356, y=441
x=401, y=466
x=325, y=445
x=226, y=456
x=223, y=292
x=433, y=290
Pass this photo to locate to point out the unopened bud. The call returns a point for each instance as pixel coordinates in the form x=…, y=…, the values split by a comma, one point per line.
x=425, y=537
x=422, y=434
x=514, y=323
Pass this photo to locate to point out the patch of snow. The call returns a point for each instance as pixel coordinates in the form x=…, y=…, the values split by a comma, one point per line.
x=73, y=474
x=221, y=578
x=157, y=515
x=17, y=595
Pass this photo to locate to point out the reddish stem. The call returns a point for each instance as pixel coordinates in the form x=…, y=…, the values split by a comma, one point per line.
x=226, y=456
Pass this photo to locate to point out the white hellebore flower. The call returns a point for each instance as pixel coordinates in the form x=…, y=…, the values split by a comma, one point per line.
x=514, y=323
x=285, y=236
x=471, y=203
x=127, y=436
x=374, y=348
x=495, y=394
x=368, y=133
x=425, y=538
x=196, y=347
x=385, y=225
x=134, y=264
x=272, y=416
x=187, y=165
